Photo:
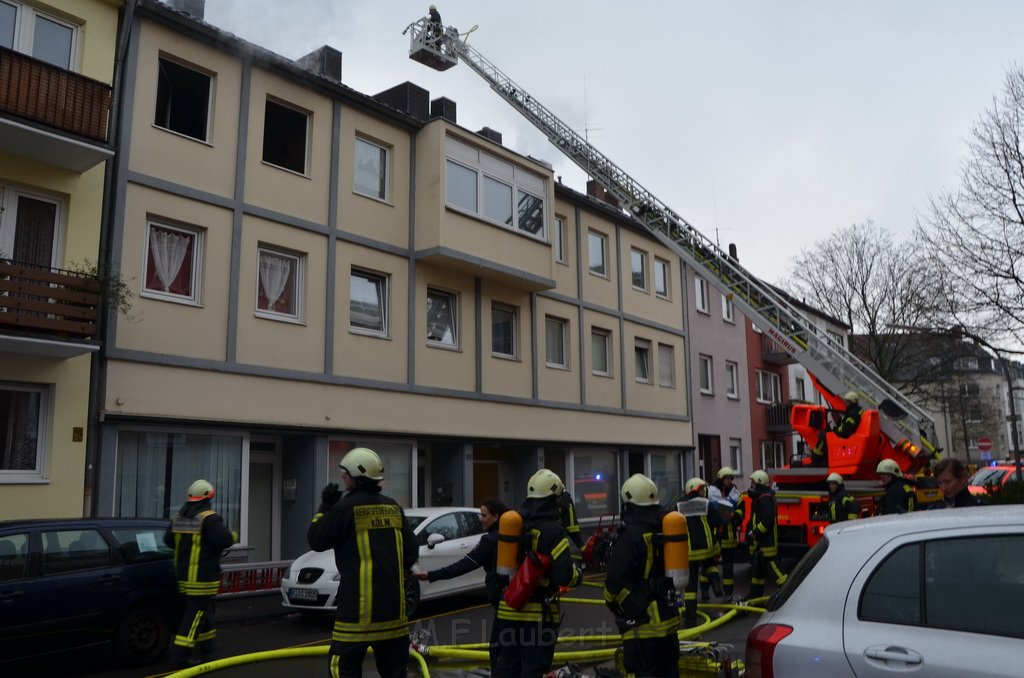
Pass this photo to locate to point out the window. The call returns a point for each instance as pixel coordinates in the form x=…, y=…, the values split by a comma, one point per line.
x=173, y=262
x=368, y=302
x=503, y=331
x=666, y=366
x=559, y=240
x=182, y=100
x=26, y=29
x=30, y=226
x=700, y=291
x=595, y=482
x=285, y=136
x=735, y=455
x=596, y=243
x=442, y=318
x=773, y=454
x=665, y=473
x=14, y=558
x=800, y=391
x=727, y=309
x=706, y=369
x=732, y=380
x=600, y=352
x=508, y=194
x=661, y=278
x=370, y=176
x=24, y=409
x=74, y=550
x=642, y=353
x=555, y=331
x=968, y=363
x=834, y=338
x=638, y=266
x=769, y=387
x=278, y=292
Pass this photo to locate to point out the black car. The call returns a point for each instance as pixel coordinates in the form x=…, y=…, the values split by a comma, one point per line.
x=77, y=583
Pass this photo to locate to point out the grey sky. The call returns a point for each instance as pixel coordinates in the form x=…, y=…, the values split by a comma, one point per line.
x=774, y=122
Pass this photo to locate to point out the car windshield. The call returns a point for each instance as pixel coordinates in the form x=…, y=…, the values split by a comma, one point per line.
x=988, y=476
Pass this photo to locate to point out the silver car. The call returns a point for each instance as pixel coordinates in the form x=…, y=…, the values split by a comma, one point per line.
x=936, y=594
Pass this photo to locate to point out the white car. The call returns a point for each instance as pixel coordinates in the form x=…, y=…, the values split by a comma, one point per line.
x=445, y=535
x=936, y=594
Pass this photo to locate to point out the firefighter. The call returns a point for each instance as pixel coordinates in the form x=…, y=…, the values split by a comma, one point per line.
x=763, y=534
x=636, y=588
x=704, y=549
x=899, y=494
x=436, y=26
x=374, y=547
x=567, y=513
x=526, y=637
x=841, y=505
x=199, y=537
x=850, y=420
x=724, y=494
x=953, y=479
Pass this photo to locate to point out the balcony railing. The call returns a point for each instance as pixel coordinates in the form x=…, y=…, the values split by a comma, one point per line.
x=771, y=352
x=44, y=93
x=45, y=301
x=778, y=418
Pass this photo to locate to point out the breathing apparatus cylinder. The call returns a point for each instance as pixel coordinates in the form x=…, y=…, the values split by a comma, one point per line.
x=676, y=549
x=510, y=532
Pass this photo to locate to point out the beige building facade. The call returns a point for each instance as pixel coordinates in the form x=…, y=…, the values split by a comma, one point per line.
x=317, y=269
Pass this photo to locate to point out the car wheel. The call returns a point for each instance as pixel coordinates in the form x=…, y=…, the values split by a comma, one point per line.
x=142, y=636
x=412, y=594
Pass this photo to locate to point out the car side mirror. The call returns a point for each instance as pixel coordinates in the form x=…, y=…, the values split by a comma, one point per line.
x=434, y=539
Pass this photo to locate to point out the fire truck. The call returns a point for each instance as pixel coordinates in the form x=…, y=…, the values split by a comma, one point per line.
x=891, y=426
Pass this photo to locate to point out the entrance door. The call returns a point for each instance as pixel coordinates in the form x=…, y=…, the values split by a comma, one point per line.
x=264, y=500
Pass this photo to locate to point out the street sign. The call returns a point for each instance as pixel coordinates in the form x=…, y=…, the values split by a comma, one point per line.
x=984, y=444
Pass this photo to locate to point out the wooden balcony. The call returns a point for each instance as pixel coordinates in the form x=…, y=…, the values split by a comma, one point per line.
x=52, y=115
x=45, y=303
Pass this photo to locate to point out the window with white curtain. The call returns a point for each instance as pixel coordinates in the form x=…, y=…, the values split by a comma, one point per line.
x=278, y=288
x=24, y=413
x=155, y=469
x=173, y=263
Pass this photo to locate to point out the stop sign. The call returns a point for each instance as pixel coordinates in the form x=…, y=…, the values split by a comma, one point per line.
x=984, y=444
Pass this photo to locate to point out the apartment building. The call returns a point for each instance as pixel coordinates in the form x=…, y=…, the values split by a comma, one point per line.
x=318, y=269
x=56, y=75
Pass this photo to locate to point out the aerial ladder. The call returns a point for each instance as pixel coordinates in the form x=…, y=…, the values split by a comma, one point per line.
x=907, y=428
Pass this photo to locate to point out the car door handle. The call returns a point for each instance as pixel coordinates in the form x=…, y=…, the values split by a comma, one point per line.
x=109, y=579
x=888, y=653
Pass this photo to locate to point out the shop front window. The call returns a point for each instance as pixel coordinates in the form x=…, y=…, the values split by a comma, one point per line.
x=396, y=458
x=665, y=474
x=595, y=482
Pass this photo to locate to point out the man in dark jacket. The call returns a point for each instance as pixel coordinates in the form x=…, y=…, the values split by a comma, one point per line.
x=899, y=495
x=953, y=479
x=636, y=588
x=526, y=636
x=763, y=535
x=850, y=420
x=374, y=547
x=198, y=536
x=841, y=504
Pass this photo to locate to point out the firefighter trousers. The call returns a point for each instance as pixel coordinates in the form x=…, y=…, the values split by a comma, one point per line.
x=196, y=629
x=645, y=657
x=345, y=660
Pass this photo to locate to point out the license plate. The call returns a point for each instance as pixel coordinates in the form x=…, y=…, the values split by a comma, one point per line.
x=302, y=594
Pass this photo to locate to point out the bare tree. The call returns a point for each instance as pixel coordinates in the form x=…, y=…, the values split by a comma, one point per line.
x=862, y=276
x=974, y=236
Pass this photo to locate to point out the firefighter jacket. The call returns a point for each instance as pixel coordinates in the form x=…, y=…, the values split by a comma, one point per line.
x=567, y=511
x=198, y=537
x=543, y=533
x=374, y=547
x=899, y=497
x=635, y=587
x=730, y=508
x=764, y=528
x=703, y=532
x=842, y=506
x=849, y=422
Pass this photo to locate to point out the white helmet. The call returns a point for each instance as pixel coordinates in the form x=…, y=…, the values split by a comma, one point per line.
x=200, y=490
x=888, y=466
x=362, y=462
x=640, y=490
x=694, y=485
x=725, y=472
x=834, y=478
x=760, y=477
x=851, y=397
x=544, y=483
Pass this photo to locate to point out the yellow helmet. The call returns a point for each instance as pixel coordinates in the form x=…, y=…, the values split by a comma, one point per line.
x=851, y=397
x=834, y=478
x=639, y=490
x=888, y=466
x=362, y=462
x=200, y=490
x=544, y=483
x=760, y=477
x=726, y=471
x=694, y=485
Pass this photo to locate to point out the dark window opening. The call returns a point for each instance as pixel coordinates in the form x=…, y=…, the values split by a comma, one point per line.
x=182, y=100
x=284, y=137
